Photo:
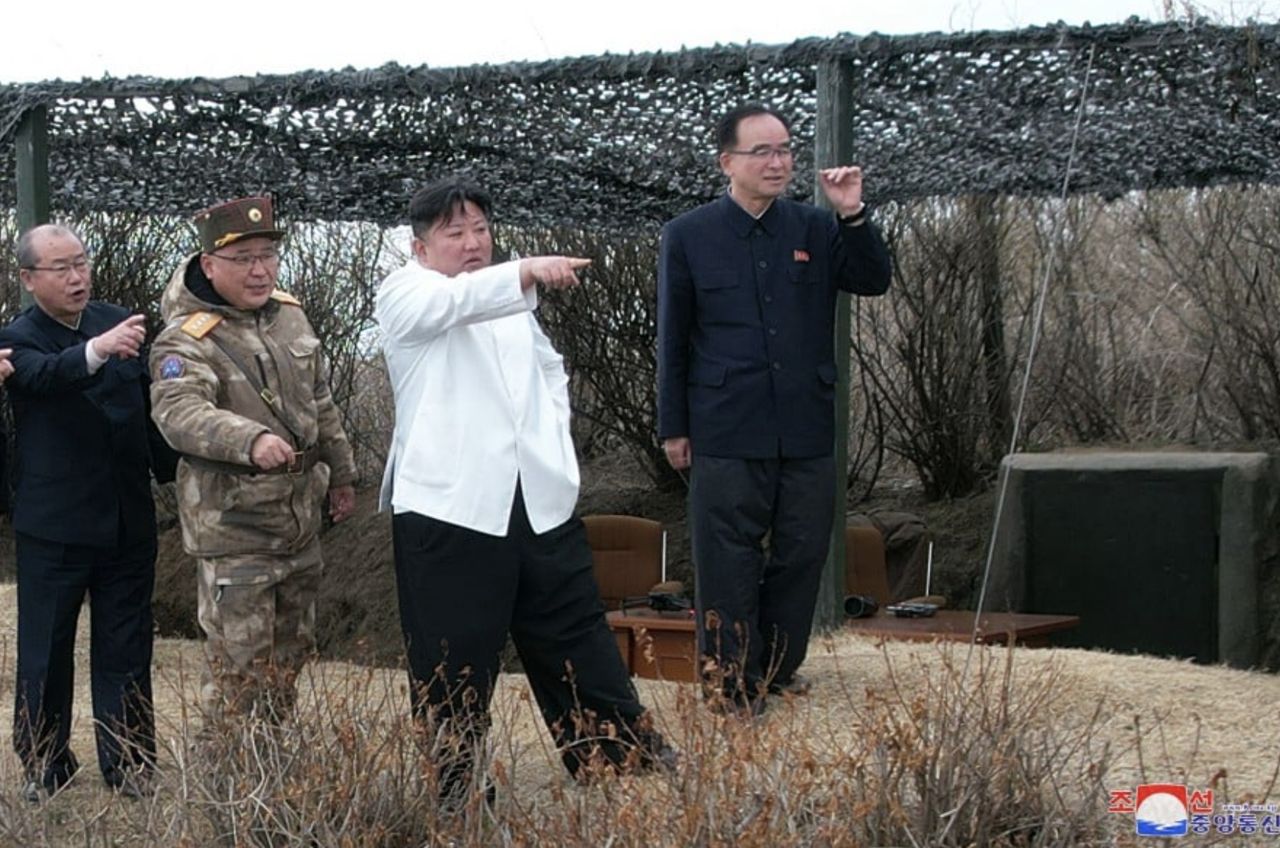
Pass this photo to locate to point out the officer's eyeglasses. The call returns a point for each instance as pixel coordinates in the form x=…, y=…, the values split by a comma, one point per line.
x=79, y=265
x=245, y=261
x=764, y=152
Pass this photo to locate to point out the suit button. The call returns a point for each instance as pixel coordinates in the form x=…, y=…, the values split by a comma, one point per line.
x=762, y=264
x=773, y=331
x=768, y=298
x=777, y=366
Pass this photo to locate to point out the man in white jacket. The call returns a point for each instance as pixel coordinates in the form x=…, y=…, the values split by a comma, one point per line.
x=483, y=482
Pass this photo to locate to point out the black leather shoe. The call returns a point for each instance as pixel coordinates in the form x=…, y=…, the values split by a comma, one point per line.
x=659, y=757
x=134, y=785
x=33, y=792
x=135, y=788
x=797, y=685
x=40, y=786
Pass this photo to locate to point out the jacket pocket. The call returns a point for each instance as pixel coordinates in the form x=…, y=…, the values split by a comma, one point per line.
x=304, y=346
x=715, y=280
x=303, y=351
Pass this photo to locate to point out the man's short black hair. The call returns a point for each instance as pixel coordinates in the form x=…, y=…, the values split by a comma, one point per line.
x=727, y=129
x=440, y=200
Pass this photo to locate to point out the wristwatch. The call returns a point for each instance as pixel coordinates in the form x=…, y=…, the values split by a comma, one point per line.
x=857, y=219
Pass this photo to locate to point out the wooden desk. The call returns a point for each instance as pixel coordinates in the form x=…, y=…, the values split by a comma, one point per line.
x=659, y=645
x=995, y=628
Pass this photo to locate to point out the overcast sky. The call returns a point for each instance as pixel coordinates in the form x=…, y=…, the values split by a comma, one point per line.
x=170, y=38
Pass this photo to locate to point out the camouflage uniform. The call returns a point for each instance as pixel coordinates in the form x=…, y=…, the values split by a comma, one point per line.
x=254, y=533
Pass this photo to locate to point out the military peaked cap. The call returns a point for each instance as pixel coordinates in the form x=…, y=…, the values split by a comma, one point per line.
x=228, y=223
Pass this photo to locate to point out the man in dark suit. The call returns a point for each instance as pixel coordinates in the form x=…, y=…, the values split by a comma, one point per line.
x=747, y=289
x=83, y=516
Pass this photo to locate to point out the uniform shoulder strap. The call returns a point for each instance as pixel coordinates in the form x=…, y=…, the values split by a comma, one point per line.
x=258, y=381
x=285, y=297
x=200, y=324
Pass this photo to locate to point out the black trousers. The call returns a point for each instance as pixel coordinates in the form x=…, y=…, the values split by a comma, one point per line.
x=460, y=594
x=756, y=607
x=53, y=579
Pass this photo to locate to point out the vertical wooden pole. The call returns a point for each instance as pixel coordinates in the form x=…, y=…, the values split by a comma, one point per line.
x=833, y=145
x=32, y=154
x=995, y=361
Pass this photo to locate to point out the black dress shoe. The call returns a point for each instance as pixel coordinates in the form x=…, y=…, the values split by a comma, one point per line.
x=34, y=792
x=135, y=788
x=40, y=786
x=132, y=785
x=797, y=684
x=659, y=757
x=654, y=754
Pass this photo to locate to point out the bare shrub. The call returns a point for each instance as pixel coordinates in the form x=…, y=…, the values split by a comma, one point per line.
x=345, y=771
x=369, y=415
x=9, y=303
x=925, y=350
x=948, y=754
x=1219, y=252
x=974, y=757
x=335, y=269
x=1112, y=364
x=607, y=331
x=1159, y=326
x=866, y=438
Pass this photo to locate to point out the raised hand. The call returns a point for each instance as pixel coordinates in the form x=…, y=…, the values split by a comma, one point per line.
x=843, y=187
x=123, y=340
x=6, y=367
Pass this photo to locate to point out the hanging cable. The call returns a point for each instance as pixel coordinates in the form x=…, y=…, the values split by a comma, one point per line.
x=1037, y=320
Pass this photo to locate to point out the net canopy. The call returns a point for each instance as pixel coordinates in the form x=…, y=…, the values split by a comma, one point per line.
x=624, y=142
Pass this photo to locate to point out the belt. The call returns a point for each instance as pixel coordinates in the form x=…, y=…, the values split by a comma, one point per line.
x=303, y=461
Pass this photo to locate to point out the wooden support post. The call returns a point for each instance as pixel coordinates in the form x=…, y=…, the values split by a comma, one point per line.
x=833, y=145
x=995, y=361
x=32, y=154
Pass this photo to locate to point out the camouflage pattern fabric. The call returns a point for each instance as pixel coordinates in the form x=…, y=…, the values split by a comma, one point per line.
x=258, y=615
x=205, y=407
x=255, y=535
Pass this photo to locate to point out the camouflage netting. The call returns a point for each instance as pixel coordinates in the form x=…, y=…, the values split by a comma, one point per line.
x=623, y=141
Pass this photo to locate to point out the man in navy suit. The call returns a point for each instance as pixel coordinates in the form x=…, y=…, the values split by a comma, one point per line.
x=83, y=516
x=747, y=289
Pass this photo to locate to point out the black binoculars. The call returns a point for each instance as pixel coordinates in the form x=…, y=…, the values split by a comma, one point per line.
x=860, y=606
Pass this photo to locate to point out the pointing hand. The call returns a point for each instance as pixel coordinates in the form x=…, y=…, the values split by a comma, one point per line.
x=123, y=340
x=552, y=272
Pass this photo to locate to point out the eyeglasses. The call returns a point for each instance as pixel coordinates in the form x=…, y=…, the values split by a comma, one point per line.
x=245, y=261
x=764, y=153
x=65, y=269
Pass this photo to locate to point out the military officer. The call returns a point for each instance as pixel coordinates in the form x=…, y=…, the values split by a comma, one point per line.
x=239, y=389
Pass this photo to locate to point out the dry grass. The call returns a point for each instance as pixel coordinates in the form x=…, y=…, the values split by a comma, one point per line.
x=898, y=744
